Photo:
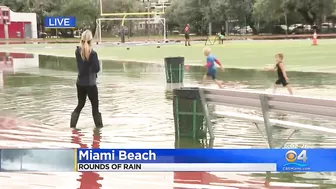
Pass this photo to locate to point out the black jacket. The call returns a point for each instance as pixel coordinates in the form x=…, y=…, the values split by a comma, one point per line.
x=87, y=70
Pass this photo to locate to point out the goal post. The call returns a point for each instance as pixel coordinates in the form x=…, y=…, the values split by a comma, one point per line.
x=110, y=29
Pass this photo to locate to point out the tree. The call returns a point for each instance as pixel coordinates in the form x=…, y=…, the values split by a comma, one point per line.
x=170, y=15
x=268, y=11
x=242, y=10
x=86, y=13
x=40, y=7
x=122, y=6
x=193, y=12
x=219, y=10
x=15, y=5
x=312, y=11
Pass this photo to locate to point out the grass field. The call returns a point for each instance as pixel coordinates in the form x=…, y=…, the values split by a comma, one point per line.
x=300, y=55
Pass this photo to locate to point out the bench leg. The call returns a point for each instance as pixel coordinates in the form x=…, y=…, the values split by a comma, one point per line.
x=211, y=143
x=262, y=135
x=292, y=133
x=207, y=114
x=268, y=126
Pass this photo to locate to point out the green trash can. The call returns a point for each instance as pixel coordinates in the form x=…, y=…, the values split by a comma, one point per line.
x=174, y=67
x=189, y=143
x=188, y=114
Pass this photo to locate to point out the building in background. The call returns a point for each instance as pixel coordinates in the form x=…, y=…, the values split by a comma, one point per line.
x=16, y=24
x=159, y=6
x=11, y=63
x=154, y=6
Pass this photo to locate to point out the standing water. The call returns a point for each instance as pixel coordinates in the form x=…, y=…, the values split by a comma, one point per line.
x=38, y=94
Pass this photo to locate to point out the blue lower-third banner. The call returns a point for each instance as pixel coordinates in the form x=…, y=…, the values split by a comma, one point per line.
x=168, y=160
x=230, y=160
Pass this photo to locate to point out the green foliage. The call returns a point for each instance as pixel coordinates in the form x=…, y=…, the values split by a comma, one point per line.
x=85, y=12
x=196, y=12
x=122, y=6
x=312, y=11
x=251, y=11
x=182, y=12
x=268, y=11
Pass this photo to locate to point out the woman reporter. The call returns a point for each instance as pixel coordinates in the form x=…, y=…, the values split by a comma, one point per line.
x=88, y=67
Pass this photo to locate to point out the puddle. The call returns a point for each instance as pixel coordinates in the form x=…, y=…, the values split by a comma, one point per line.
x=38, y=93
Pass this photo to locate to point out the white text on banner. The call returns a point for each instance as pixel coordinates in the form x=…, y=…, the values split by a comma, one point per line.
x=170, y=167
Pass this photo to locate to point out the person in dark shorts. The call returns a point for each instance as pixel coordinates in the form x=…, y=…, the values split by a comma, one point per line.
x=88, y=67
x=282, y=75
x=186, y=35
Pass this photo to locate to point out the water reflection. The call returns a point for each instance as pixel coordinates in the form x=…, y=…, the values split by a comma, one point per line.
x=10, y=62
x=36, y=102
x=88, y=179
x=203, y=178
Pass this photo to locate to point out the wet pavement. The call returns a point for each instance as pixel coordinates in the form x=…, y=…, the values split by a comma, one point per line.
x=38, y=94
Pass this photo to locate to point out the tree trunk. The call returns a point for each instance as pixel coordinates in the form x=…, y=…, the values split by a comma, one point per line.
x=254, y=29
x=94, y=28
x=286, y=22
x=251, y=23
x=305, y=14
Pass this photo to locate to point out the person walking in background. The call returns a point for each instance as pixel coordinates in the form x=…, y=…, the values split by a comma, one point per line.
x=187, y=35
x=88, y=67
x=222, y=34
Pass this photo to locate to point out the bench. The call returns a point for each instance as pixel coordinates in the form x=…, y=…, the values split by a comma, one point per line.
x=266, y=103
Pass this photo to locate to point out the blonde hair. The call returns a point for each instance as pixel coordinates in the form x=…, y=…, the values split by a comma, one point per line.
x=86, y=47
x=206, y=50
x=280, y=55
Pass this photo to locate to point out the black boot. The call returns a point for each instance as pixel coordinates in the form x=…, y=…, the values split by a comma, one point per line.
x=98, y=120
x=74, y=119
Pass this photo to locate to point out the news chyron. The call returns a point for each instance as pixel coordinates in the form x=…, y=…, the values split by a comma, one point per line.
x=84, y=167
x=103, y=157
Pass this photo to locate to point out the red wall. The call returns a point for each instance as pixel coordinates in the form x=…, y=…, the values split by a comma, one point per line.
x=13, y=28
x=2, y=31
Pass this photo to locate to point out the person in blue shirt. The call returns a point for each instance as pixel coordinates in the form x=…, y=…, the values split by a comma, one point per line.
x=211, y=67
x=88, y=67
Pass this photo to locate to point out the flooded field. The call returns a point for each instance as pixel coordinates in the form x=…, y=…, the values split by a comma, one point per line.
x=38, y=94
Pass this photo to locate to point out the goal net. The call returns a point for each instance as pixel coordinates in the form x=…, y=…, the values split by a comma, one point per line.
x=133, y=29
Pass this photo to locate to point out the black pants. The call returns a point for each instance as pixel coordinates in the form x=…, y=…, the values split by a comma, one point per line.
x=92, y=93
x=282, y=81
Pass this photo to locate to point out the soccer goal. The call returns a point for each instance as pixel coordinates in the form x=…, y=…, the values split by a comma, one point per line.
x=133, y=29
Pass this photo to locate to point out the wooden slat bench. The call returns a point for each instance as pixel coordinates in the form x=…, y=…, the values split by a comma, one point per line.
x=266, y=103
